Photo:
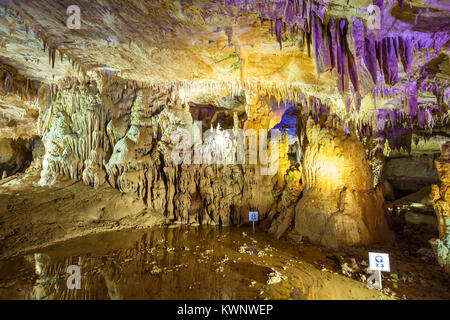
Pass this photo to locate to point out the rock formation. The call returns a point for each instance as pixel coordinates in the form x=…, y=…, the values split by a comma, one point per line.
x=15, y=155
x=440, y=196
x=286, y=204
x=339, y=205
x=87, y=139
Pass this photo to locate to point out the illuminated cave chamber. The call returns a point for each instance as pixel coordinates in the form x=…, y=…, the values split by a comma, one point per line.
x=361, y=117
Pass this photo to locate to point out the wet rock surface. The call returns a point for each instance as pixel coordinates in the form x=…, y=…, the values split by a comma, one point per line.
x=33, y=216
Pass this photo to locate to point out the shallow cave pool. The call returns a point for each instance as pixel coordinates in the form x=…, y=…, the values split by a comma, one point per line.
x=173, y=263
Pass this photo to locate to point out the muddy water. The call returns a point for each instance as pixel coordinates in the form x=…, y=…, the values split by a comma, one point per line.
x=174, y=263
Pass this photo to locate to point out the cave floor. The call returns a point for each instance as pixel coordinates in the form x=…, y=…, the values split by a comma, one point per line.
x=204, y=263
x=180, y=262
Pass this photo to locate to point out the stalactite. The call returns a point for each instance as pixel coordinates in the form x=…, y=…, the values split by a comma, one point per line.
x=278, y=33
x=321, y=46
x=53, y=57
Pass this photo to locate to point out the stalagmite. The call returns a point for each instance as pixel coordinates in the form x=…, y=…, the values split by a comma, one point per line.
x=352, y=212
x=178, y=117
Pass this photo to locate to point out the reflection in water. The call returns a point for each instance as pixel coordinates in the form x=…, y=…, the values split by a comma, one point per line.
x=157, y=264
x=164, y=263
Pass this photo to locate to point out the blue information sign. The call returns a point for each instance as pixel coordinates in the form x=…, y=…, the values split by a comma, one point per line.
x=253, y=216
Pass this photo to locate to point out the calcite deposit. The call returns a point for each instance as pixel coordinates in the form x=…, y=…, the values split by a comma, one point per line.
x=328, y=118
x=339, y=205
x=440, y=196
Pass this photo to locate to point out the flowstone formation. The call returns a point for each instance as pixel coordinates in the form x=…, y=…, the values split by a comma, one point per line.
x=15, y=156
x=440, y=197
x=284, y=212
x=339, y=205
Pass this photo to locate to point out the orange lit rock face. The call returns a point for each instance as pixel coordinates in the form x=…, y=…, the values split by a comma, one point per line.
x=339, y=205
x=259, y=115
x=335, y=161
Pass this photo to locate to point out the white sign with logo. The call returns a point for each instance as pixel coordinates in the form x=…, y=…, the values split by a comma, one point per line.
x=379, y=261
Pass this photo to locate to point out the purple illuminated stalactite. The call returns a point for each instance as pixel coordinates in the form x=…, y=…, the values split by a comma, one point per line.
x=339, y=60
x=382, y=119
x=358, y=38
x=406, y=49
x=343, y=55
x=429, y=118
x=353, y=62
x=333, y=34
x=379, y=55
x=290, y=14
x=392, y=117
x=421, y=118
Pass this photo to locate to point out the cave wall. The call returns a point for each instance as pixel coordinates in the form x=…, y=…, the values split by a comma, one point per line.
x=16, y=155
x=409, y=174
